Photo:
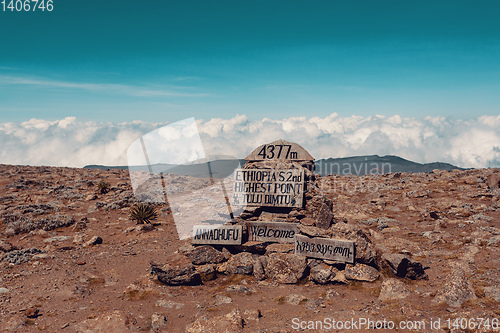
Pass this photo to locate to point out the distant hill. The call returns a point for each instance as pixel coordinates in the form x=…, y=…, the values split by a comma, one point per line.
x=356, y=165
x=361, y=165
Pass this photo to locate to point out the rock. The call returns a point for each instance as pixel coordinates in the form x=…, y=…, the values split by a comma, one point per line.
x=14, y=323
x=56, y=239
x=158, y=321
x=93, y=241
x=90, y=197
x=313, y=304
x=250, y=212
x=21, y=256
x=338, y=276
x=308, y=221
x=393, y=289
x=361, y=272
x=238, y=288
x=493, y=181
x=321, y=273
x=221, y=299
x=207, y=272
x=322, y=211
x=404, y=266
x=252, y=315
x=169, y=304
x=256, y=247
x=139, y=289
x=204, y=254
x=4, y=290
x=259, y=268
x=6, y=246
x=32, y=312
x=455, y=291
x=241, y=263
x=280, y=248
x=493, y=292
x=285, y=268
x=295, y=299
x=229, y=323
x=78, y=239
x=177, y=271
x=113, y=321
x=314, y=231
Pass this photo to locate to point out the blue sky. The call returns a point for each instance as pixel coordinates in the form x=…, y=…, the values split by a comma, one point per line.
x=160, y=61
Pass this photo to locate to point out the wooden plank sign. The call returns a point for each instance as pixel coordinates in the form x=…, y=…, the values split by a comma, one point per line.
x=268, y=187
x=217, y=234
x=280, y=150
x=280, y=232
x=325, y=248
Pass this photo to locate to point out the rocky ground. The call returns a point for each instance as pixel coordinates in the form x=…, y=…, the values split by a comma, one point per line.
x=71, y=260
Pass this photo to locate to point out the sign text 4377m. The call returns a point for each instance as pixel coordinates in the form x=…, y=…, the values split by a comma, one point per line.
x=27, y=5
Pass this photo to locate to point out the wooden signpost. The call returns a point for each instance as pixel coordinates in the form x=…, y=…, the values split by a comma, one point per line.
x=280, y=232
x=217, y=234
x=268, y=187
x=325, y=248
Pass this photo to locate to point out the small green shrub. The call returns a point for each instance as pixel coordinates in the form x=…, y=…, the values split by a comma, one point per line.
x=143, y=213
x=103, y=187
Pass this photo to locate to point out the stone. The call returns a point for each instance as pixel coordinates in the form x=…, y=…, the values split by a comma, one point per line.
x=6, y=246
x=272, y=231
x=158, y=321
x=361, y=272
x=241, y=263
x=259, y=268
x=139, y=289
x=229, y=323
x=93, y=241
x=207, y=272
x=18, y=257
x=321, y=273
x=403, y=265
x=14, y=323
x=338, y=276
x=308, y=221
x=32, y=312
x=168, y=304
x=280, y=248
x=323, y=212
x=4, y=290
x=177, y=271
x=325, y=248
x=221, y=299
x=204, y=254
x=493, y=292
x=285, y=268
x=78, y=239
x=56, y=239
x=295, y=299
x=493, y=181
x=252, y=315
x=112, y=321
x=242, y=289
x=455, y=291
x=393, y=289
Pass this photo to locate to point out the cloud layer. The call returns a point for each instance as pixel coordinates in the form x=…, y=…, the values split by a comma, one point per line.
x=70, y=142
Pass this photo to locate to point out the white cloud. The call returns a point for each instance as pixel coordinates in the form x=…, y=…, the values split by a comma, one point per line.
x=71, y=142
x=113, y=88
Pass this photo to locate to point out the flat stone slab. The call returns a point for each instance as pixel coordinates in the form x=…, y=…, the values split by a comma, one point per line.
x=279, y=232
x=325, y=248
x=268, y=187
x=216, y=234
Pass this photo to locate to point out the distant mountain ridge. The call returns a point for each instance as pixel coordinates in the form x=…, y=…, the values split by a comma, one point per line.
x=355, y=165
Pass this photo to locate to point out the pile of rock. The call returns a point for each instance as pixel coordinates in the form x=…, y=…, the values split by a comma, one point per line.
x=284, y=223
